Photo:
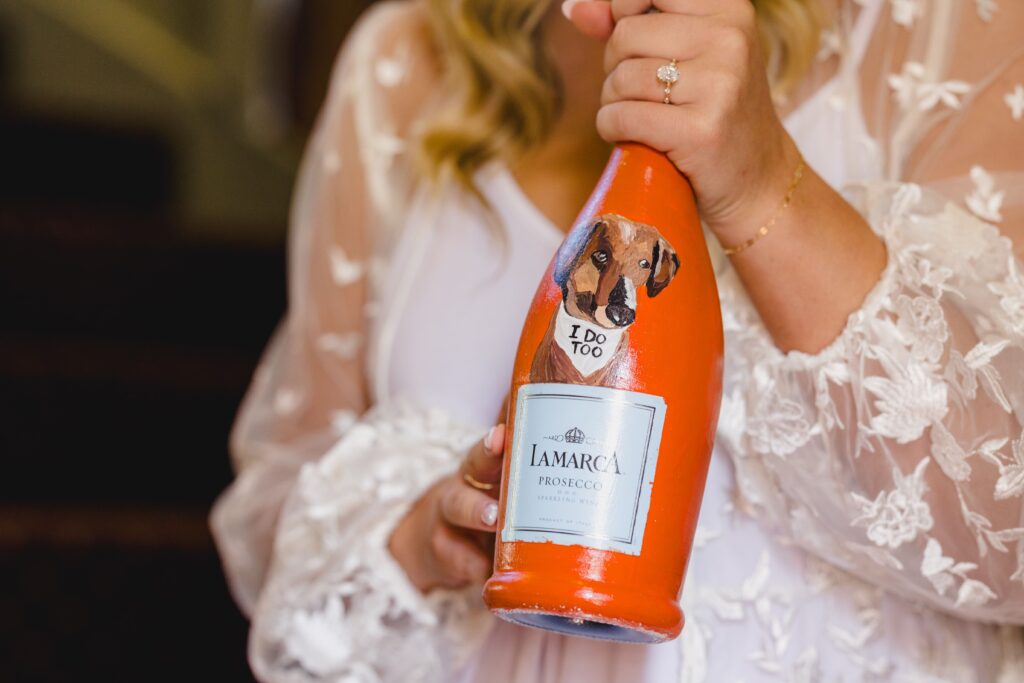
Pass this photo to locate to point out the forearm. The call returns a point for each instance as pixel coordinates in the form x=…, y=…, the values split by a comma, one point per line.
x=897, y=455
x=813, y=268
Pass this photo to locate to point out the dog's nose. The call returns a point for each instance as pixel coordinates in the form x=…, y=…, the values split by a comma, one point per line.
x=620, y=314
x=618, y=293
x=618, y=309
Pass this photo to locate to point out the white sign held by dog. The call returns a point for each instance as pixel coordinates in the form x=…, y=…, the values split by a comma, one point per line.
x=587, y=345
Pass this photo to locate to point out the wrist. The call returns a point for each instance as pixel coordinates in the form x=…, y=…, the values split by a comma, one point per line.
x=762, y=199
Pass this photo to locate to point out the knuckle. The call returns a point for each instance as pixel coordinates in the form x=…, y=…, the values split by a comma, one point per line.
x=620, y=79
x=604, y=122
x=460, y=563
x=615, y=40
x=471, y=454
x=623, y=36
x=467, y=565
x=746, y=13
x=453, y=575
x=452, y=582
x=450, y=506
x=735, y=41
x=707, y=132
x=608, y=94
x=439, y=541
x=472, y=461
x=730, y=86
x=618, y=121
x=621, y=116
x=468, y=514
x=460, y=507
x=626, y=27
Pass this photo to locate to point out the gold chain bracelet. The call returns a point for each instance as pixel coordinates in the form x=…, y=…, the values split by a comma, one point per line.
x=798, y=174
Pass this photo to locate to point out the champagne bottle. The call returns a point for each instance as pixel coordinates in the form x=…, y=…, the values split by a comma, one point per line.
x=612, y=413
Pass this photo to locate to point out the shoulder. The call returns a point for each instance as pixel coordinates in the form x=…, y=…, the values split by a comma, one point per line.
x=393, y=20
x=390, y=58
x=393, y=25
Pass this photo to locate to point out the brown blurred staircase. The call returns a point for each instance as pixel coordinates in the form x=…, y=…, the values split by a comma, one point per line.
x=125, y=349
x=127, y=340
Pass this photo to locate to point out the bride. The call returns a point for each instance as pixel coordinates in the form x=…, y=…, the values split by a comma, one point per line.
x=863, y=514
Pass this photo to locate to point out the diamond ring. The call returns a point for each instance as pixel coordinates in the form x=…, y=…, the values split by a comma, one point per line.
x=667, y=75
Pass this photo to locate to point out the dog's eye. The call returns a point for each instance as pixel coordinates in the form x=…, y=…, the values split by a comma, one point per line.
x=600, y=257
x=644, y=263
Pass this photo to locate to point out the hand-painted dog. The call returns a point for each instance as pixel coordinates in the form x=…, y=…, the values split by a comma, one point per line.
x=599, y=270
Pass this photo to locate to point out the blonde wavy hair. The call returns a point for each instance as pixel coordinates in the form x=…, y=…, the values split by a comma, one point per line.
x=503, y=93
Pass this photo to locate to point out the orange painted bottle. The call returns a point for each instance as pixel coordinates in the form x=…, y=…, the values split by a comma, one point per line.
x=612, y=413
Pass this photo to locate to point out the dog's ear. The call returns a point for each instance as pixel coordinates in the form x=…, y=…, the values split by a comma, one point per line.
x=572, y=249
x=664, y=264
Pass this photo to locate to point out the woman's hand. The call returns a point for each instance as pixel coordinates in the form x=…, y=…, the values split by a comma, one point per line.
x=447, y=537
x=721, y=128
x=722, y=131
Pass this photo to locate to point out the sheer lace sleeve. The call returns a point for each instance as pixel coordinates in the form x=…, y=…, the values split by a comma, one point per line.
x=897, y=451
x=321, y=477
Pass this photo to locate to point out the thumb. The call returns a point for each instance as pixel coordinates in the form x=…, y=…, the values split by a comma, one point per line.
x=592, y=17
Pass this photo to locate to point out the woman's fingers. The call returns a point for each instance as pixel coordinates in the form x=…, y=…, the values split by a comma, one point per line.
x=636, y=79
x=700, y=8
x=725, y=125
x=483, y=462
x=660, y=36
x=678, y=130
x=459, y=560
x=596, y=18
x=467, y=507
x=592, y=17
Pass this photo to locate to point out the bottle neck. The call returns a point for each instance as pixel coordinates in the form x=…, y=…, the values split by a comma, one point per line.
x=643, y=184
x=640, y=155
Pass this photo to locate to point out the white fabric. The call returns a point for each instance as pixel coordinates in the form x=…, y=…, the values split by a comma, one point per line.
x=862, y=520
x=829, y=126
x=453, y=345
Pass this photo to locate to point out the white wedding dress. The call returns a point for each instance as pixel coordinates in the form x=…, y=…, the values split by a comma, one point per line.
x=863, y=514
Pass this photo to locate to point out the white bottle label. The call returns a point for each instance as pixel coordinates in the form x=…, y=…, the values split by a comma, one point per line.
x=583, y=462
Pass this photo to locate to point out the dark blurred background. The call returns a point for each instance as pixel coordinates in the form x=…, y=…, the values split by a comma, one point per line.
x=148, y=149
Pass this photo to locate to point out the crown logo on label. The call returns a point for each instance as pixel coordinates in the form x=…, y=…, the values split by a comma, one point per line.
x=575, y=435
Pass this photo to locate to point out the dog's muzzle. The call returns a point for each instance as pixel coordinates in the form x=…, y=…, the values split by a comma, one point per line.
x=620, y=314
x=618, y=310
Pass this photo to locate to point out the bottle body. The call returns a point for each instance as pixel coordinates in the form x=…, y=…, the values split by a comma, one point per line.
x=612, y=413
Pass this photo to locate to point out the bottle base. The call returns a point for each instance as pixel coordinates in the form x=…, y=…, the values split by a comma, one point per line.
x=581, y=607
x=584, y=626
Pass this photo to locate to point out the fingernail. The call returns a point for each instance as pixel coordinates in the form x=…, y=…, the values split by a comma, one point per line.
x=490, y=514
x=567, y=8
x=489, y=439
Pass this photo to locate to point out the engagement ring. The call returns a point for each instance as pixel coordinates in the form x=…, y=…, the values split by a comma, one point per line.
x=668, y=74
